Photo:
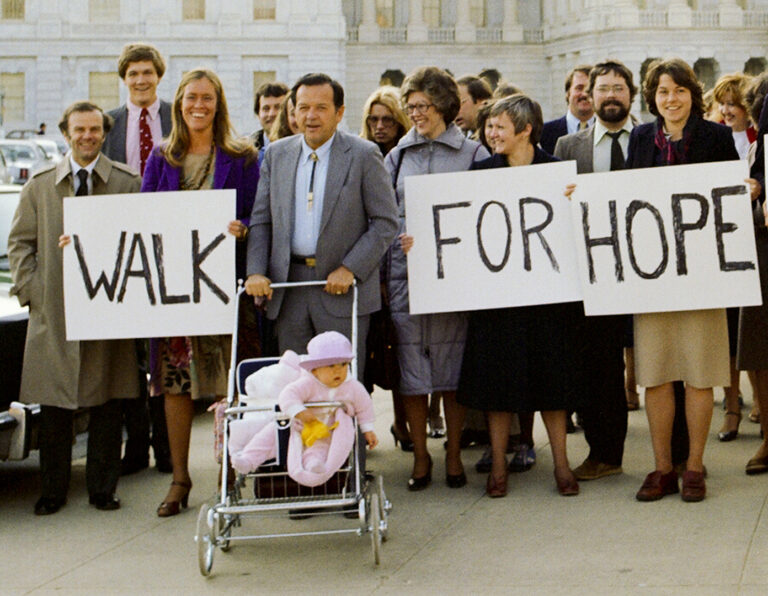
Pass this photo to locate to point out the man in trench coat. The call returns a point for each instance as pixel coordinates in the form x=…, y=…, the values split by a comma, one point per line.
x=64, y=375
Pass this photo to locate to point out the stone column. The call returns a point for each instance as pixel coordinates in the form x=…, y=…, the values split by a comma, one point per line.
x=731, y=14
x=465, y=29
x=417, y=28
x=368, y=31
x=627, y=14
x=512, y=30
x=679, y=14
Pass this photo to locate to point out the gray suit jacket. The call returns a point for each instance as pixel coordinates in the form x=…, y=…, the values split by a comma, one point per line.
x=114, y=145
x=359, y=219
x=578, y=146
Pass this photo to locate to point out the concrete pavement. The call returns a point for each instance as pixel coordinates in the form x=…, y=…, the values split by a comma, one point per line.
x=440, y=540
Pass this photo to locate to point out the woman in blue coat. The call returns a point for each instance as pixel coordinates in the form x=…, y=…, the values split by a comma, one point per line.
x=201, y=153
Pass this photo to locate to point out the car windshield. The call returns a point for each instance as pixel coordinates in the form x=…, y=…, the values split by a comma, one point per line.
x=17, y=152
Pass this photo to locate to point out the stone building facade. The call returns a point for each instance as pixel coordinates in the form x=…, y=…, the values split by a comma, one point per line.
x=53, y=52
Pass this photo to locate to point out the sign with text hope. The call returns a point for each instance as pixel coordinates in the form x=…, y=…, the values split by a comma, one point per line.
x=491, y=239
x=665, y=239
x=149, y=265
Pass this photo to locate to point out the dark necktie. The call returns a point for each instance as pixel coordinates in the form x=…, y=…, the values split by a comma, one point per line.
x=617, y=155
x=82, y=190
x=145, y=139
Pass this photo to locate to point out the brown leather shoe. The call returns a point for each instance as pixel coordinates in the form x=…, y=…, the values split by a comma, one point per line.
x=592, y=469
x=657, y=486
x=694, y=487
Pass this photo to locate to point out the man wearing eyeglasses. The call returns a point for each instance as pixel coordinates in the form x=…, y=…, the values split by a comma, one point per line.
x=325, y=210
x=603, y=148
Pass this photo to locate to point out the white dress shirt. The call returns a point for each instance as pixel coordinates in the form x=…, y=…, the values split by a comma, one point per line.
x=601, y=153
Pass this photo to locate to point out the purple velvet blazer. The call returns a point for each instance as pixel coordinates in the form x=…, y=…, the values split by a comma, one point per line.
x=229, y=172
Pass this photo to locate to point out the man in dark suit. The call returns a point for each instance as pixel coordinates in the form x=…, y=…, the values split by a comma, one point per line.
x=266, y=105
x=602, y=148
x=324, y=210
x=62, y=375
x=580, y=114
x=139, y=124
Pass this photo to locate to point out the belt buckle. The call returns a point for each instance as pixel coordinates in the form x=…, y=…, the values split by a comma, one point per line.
x=310, y=261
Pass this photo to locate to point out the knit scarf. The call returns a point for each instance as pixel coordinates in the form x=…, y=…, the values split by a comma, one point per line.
x=674, y=152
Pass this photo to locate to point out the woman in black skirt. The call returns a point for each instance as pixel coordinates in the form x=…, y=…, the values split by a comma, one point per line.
x=521, y=359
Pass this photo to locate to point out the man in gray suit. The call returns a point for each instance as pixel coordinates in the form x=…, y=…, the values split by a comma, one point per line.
x=139, y=124
x=324, y=210
x=602, y=148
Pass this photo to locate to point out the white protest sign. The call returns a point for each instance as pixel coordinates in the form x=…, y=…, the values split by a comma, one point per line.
x=149, y=265
x=491, y=239
x=666, y=239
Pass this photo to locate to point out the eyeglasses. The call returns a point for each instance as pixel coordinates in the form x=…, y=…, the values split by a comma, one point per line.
x=386, y=121
x=417, y=108
x=615, y=88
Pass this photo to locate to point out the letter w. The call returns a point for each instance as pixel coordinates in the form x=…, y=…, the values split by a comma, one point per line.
x=109, y=287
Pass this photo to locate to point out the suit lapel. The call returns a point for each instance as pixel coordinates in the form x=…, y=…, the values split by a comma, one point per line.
x=587, y=151
x=334, y=181
x=286, y=184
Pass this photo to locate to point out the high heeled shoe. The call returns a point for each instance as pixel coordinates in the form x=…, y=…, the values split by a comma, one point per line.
x=171, y=508
x=730, y=435
x=455, y=480
x=405, y=442
x=422, y=482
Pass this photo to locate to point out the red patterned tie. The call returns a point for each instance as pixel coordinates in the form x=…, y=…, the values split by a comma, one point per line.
x=145, y=138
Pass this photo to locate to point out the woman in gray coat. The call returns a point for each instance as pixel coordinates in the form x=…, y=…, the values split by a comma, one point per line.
x=430, y=347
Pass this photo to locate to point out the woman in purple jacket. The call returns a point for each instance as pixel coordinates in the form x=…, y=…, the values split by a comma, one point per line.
x=201, y=153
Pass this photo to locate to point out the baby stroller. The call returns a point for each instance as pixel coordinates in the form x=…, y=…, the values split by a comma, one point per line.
x=350, y=494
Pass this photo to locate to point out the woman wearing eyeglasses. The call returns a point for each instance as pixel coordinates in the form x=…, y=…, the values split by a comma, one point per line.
x=385, y=123
x=430, y=347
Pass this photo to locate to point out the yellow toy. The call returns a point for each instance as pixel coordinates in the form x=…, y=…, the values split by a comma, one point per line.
x=314, y=430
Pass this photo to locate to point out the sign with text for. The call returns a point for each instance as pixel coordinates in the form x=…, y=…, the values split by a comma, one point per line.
x=149, y=265
x=666, y=239
x=491, y=239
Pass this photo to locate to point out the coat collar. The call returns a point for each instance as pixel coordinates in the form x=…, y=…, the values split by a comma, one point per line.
x=103, y=168
x=451, y=137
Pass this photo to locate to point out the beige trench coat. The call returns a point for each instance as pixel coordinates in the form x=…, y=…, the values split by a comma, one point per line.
x=57, y=372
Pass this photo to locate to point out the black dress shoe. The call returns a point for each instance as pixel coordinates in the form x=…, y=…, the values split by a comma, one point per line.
x=49, y=505
x=132, y=465
x=104, y=502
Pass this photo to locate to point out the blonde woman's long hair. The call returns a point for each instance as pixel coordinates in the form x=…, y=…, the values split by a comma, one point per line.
x=177, y=146
x=389, y=97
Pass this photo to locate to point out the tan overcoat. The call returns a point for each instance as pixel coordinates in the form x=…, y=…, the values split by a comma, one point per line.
x=57, y=372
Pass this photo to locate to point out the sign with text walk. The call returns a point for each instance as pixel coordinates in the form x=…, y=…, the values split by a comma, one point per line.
x=149, y=265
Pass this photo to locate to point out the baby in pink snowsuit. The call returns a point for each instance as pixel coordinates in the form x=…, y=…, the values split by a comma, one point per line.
x=328, y=358
x=323, y=378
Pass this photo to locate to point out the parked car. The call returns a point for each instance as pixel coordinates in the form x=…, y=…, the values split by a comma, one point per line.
x=9, y=200
x=21, y=133
x=23, y=158
x=53, y=150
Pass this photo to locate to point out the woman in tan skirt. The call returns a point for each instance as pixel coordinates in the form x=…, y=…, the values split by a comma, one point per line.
x=691, y=346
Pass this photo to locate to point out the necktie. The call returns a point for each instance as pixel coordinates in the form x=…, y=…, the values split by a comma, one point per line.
x=583, y=125
x=617, y=155
x=145, y=139
x=311, y=194
x=82, y=189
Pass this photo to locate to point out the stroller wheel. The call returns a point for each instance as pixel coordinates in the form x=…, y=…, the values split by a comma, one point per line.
x=205, y=541
x=375, y=527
